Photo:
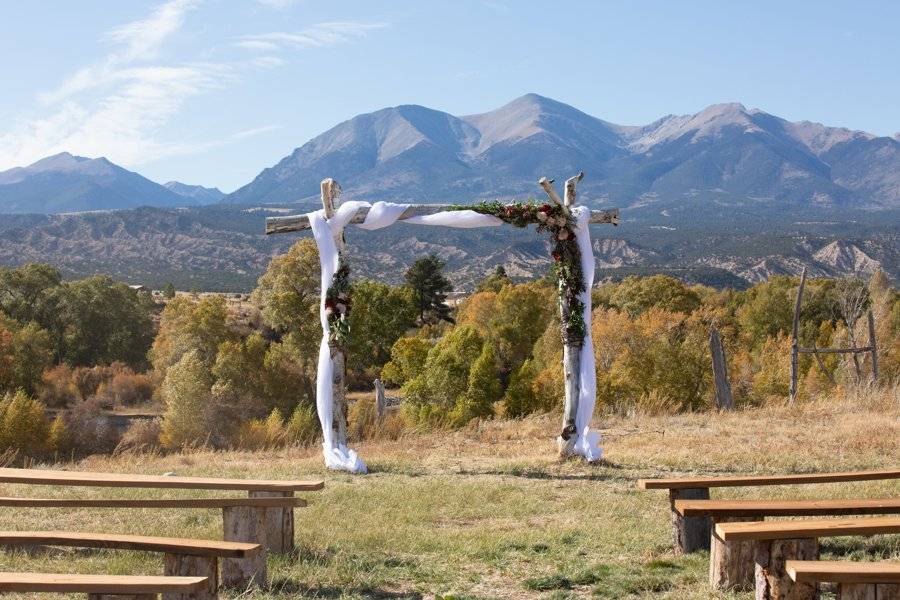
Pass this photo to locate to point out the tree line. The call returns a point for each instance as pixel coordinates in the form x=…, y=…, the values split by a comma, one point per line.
x=229, y=374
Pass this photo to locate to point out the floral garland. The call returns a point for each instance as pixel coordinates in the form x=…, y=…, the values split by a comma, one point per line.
x=337, y=306
x=557, y=221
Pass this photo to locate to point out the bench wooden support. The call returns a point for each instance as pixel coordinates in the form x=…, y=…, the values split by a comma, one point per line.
x=279, y=523
x=856, y=580
x=772, y=579
x=124, y=596
x=199, y=566
x=869, y=591
x=245, y=524
x=731, y=563
x=689, y=534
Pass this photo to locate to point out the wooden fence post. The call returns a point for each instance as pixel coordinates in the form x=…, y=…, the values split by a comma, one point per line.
x=330, y=191
x=795, y=337
x=379, y=399
x=874, y=350
x=724, y=399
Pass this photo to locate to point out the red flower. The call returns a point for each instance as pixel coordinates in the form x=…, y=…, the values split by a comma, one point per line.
x=556, y=256
x=545, y=208
x=329, y=303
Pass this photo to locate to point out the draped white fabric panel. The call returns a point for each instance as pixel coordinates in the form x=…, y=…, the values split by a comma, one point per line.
x=382, y=214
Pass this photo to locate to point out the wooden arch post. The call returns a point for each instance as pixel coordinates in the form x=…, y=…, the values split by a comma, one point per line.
x=331, y=189
x=571, y=348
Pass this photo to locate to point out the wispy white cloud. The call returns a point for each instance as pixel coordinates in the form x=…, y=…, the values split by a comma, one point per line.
x=322, y=34
x=117, y=106
x=279, y=4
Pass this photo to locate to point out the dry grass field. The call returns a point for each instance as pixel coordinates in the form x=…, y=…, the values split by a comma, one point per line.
x=488, y=512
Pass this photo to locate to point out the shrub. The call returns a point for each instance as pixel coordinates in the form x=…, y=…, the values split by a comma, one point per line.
x=482, y=391
x=186, y=392
x=126, y=388
x=303, y=427
x=23, y=425
x=90, y=432
x=141, y=436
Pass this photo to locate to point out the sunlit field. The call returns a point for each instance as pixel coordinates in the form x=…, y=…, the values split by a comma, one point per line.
x=488, y=512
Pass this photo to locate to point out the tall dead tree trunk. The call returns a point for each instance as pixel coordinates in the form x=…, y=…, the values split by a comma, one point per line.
x=330, y=192
x=795, y=337
x=571, y=349
x=724, y=399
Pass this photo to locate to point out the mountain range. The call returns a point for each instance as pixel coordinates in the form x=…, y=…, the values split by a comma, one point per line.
x=67, y=183
x=726, y=197
x=725, y=153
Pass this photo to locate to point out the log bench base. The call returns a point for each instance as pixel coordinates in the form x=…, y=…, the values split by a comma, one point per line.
x=689, y=534
x=245, y=524
x=772, y=579
x=197, y=566
x=122, y=597
x=731, y=563
x=869, y=591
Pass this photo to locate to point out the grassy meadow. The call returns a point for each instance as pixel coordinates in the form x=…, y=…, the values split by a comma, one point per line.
x=488, y=511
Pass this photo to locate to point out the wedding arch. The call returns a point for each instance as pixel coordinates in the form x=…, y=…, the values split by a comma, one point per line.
x=567, y=226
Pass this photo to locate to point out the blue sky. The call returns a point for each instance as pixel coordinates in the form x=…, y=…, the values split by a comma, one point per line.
x=213, y=91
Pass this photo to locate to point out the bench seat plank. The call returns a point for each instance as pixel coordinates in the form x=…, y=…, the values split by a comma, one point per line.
x=122, y=480
x=840, y=571
x=129, y=542
x=803, y=529
x=98, y=584
x=785, y=508
x=738, y=481
x=273, y=502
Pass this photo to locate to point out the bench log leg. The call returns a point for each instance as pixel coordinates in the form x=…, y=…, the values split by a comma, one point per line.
x=245, y=524
x=772, y=580
x=869, y=591
x=279, y=523
x=689, y=534
x=193, y=566
x=122, y=596
x=730, y=563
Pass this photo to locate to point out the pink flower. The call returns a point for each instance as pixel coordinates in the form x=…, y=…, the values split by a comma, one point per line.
x=563, y=234
x=329, y=311
x=541, y=216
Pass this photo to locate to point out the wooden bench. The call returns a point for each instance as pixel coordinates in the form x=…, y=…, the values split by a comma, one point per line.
x=102, y=587
x=243, y=565
x=270, y=525
x=856, y=580
x=725, y=572
x=774, y=542
x=691, y=534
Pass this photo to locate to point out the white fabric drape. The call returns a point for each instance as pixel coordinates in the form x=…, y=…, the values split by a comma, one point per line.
x=587, y=442
x=382, y=214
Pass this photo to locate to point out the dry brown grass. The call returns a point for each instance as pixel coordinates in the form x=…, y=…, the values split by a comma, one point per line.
x=489, y=512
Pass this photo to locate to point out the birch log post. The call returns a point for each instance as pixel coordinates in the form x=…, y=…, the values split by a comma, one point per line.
x=330, y=192
x=724, y=399
x=571, y=350
x=795, y=337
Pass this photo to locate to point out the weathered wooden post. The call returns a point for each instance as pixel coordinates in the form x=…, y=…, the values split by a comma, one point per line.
x=571, y=348
x=795, y=337
x=724, y=400
x=245, y=524
x=330, y=191
x=379, y=399
x=185, y=565
x=872, y=345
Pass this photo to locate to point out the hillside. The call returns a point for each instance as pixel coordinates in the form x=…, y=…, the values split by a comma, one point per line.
x=725, y=153
x=222, y=248
x=487, y=513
